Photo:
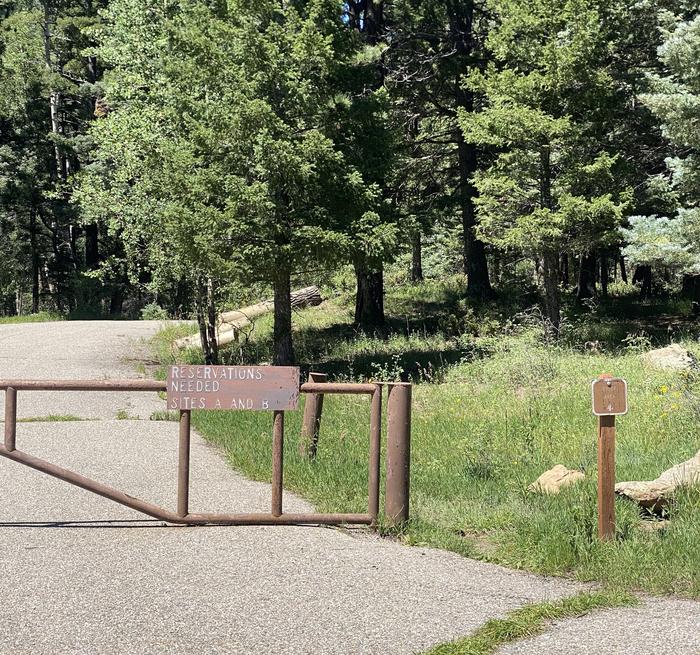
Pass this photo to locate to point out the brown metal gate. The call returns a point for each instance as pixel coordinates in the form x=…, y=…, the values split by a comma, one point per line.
x=183, y=514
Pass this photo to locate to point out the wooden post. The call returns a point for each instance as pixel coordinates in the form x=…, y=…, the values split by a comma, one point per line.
x=609, y=401
x=606, y=477
x=311, y=423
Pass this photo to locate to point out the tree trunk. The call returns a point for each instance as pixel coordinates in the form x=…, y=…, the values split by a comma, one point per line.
x=550, y=257
x=206, y=320
x=369, y=300
x=92, y=253
x=623, y=268
x=586, y=277
x=461, y=24
x=642, y=276
x=604, y=274
x=116, y=300
x=211, y=323
x=564, y=268
x=417, y=259
x=474, y=254
x=282, y=332
x=552, y=293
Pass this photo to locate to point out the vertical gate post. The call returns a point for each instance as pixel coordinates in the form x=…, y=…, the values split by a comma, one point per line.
x=10, y=418
x=398, y=453
x=183, y=470
x=277, y=461
x=311, y=423
x=375, y=449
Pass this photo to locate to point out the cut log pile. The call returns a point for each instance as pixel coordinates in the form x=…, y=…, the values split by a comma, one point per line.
x=231, y=323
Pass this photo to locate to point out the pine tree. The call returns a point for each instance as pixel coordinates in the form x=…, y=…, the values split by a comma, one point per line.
x=215, y=159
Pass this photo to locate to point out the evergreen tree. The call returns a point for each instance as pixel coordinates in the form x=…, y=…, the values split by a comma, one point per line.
x=215, y=159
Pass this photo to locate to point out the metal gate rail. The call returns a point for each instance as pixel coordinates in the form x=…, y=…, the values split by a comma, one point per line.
x=183, y=515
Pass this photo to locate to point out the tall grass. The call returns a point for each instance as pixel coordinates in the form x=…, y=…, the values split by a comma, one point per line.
x=508, y=407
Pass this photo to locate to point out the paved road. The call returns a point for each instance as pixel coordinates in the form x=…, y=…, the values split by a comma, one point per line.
x=79, y=574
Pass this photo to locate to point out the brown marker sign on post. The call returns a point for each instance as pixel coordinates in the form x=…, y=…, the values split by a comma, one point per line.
x=262, y=388
x=609, y=401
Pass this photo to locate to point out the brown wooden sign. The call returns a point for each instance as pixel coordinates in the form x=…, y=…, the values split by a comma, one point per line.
x=233, y=387
x=609, y=396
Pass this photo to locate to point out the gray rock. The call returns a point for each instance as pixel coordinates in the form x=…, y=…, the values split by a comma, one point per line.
x=654, y=494
x=671, y=358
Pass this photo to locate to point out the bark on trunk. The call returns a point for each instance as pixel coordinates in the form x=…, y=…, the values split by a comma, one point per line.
x=206, y=320
x=564, y=269
x=550, y=273
x=604, y=274
x=586, y=277
x=642, y=277
x=211, y=323
x=474, y=254
x=116, y=300
x=92, y=253
x=417, y=259
x=369, y=300
x=461, y=21
x=282, y=332
x=623, y=268
x=550, y=257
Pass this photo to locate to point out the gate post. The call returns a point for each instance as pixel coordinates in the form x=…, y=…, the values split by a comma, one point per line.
x=10, y=418
x=183, y=468
x=311, y=423
x=398, y=453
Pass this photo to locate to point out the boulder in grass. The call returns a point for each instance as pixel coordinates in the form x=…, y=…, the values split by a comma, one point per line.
x=671, y=358
x=554, y=480
x=655, y=494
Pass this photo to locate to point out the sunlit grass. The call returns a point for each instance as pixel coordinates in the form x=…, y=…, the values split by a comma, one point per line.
x=508, y=408
x=41, y=317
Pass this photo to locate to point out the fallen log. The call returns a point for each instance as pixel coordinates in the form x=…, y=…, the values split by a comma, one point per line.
x=231, y=323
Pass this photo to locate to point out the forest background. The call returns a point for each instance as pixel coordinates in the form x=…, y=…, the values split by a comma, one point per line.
x=174, y=157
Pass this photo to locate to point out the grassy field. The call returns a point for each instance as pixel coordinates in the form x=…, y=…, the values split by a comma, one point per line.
x=494, y=408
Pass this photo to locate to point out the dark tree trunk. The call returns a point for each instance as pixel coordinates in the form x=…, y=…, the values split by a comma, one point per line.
x=474, y=253
x=369, y=300
x=92, y=253
x=564, y=268
x=604, y=274
x=461, y=23
x=36, y=262
x=550, y=257
x=691, y=290
x=282, y=333
x=586, y=277
x=642, y=277
x=623, y=268
x=417, y=259
x=552, y=294
x=116, y=300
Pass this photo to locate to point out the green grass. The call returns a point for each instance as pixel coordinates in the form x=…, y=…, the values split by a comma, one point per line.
x=41, y=317
x=507, y=407
x=529, y=621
